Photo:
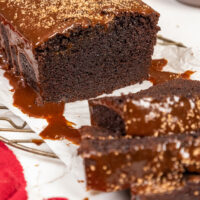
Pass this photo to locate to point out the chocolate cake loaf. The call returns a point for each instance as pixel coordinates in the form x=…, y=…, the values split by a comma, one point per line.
x=168, y=108
x=73, y=50
x=117, y=162
x=188, y=188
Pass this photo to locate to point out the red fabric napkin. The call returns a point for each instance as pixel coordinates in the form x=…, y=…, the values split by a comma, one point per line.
x=12, y=182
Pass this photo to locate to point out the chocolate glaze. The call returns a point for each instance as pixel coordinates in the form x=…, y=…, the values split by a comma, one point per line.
x=187, y=74
x=186, y=188
x=171, y=115
x=39, y=20
x=156, y=75
x=12, y=39
x=37, y=142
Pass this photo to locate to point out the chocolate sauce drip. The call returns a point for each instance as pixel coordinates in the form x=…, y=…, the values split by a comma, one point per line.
x=156, y=75
x=37, y=142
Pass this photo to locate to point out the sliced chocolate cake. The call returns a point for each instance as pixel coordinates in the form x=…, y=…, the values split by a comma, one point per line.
x=187, y=188
x=73, y=50
x=113, y=162
x=168, y=108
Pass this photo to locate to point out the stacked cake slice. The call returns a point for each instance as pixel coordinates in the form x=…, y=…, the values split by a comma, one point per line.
x=145, y=141
x=171, y=107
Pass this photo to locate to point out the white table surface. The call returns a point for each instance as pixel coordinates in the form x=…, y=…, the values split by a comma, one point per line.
x=178, y=21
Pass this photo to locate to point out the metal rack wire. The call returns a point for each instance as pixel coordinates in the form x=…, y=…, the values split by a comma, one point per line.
x=20, y=144
x=166, y=42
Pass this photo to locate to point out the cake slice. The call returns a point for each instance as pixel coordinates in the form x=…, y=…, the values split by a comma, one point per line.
x=115, y=162
x=168, y=108
x=74, y=50
x=187, y=188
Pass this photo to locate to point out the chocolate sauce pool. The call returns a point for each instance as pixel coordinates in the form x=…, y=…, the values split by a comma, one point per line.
x=156, y=75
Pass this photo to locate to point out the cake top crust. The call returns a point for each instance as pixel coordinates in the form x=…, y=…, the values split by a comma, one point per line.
x=38, y=20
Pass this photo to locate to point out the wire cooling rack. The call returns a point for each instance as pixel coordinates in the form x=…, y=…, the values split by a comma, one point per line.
x=166, y=42
x=21, y=143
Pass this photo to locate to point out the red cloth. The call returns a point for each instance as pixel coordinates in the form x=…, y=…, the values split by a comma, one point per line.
x=12, y=182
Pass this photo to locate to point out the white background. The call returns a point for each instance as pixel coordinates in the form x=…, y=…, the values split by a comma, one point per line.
x=178, y=21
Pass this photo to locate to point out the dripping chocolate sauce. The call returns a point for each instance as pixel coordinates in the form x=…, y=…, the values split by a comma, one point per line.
x=37, y=142
x=25, y=98
x=156, y=75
